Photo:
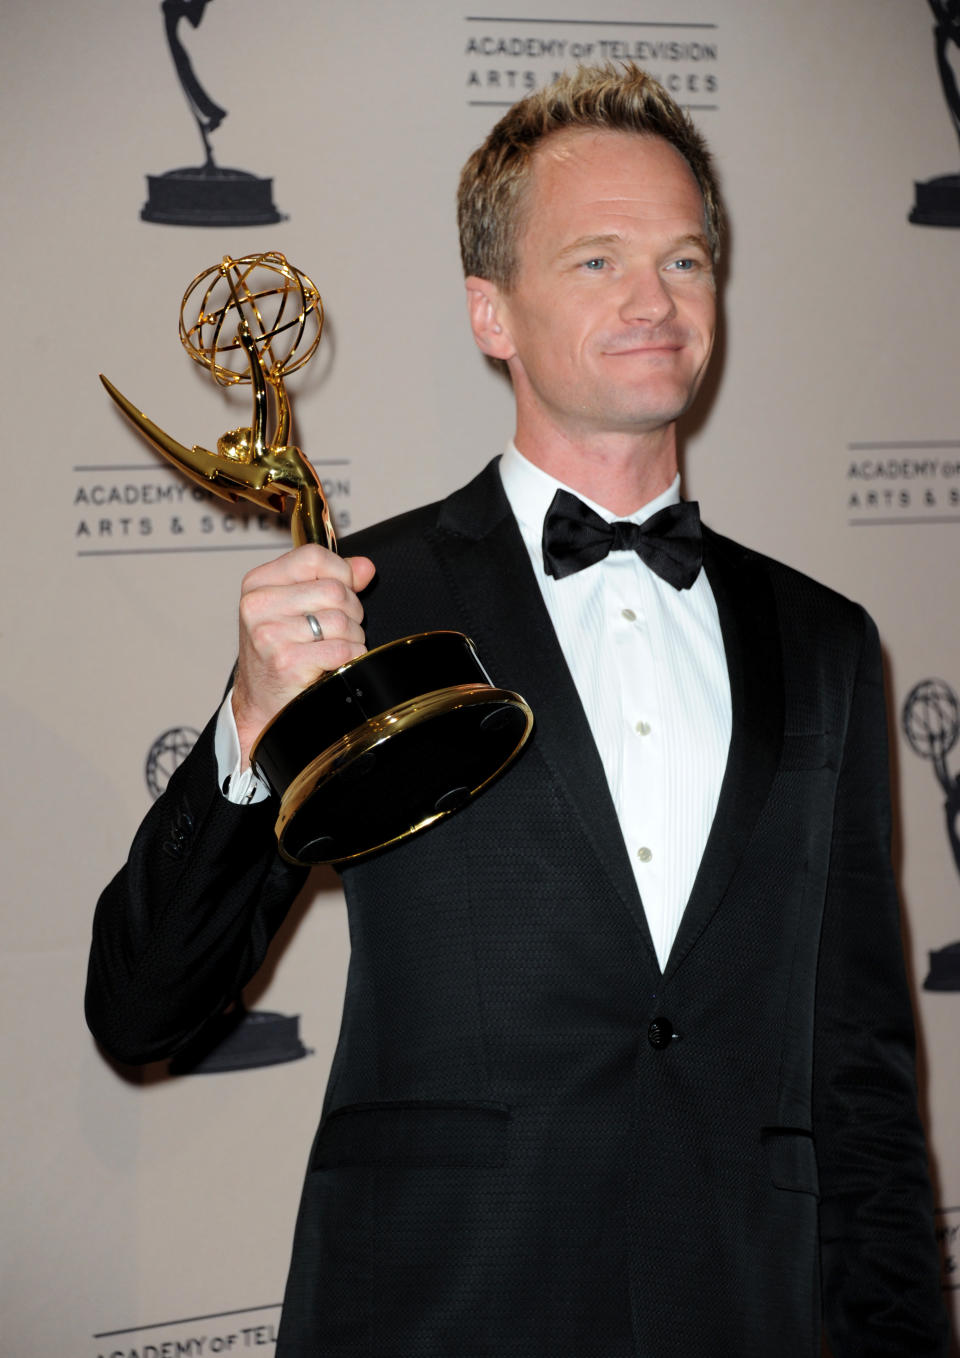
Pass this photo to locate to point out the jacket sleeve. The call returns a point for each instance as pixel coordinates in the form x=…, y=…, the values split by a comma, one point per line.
x=880, y=1272
x=188, y=919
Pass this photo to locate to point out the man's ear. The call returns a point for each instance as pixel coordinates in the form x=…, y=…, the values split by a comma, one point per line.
x=488, y=315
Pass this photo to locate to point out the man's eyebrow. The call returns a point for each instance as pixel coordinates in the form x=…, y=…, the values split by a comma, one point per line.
x=694, y=238
x=587, y=243
x=583, y=243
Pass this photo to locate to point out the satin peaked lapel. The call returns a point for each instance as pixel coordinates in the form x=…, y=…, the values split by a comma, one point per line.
x=483, y=556
x=751, y=639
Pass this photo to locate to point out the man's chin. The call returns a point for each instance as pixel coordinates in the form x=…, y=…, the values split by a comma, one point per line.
x=645, y=415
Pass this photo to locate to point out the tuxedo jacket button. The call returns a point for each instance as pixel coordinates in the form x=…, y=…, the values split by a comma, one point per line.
x=660, y=1033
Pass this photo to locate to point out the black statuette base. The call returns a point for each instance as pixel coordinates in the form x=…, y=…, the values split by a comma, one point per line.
x=406, y=781
x=208, y=196
x=242, y=1040
x=387, y=745
x=377, y=682
x=937, y=202
x=944, y=971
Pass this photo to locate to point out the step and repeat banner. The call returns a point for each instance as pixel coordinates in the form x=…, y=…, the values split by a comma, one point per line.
x=149, y=1212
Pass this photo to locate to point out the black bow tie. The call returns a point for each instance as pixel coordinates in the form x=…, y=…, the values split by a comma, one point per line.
x=669, y=542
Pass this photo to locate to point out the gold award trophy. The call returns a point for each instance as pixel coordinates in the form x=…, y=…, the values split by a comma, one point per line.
x=391, y=742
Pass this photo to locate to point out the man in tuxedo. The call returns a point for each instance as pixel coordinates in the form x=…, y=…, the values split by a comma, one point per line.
x=626, y=1065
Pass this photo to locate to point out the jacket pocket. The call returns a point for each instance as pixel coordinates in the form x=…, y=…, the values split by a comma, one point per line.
x=792, y=1159
x=426, y=1133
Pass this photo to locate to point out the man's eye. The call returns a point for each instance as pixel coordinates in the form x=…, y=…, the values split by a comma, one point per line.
x=595, y=264
x=683, y=265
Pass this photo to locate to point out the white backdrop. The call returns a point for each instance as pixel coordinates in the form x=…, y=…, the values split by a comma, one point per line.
x=144, y=1210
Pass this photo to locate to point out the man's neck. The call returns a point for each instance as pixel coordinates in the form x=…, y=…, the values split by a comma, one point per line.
x=618, y=471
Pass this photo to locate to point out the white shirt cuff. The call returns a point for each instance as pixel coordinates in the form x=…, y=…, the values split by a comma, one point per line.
x=240, y=786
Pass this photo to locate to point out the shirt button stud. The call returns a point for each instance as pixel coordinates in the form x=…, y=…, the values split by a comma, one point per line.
x=642, y=728
x=644, y=854
x=660, y=1033
x=629, y=614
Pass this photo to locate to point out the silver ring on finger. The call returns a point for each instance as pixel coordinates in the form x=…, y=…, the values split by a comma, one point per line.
x=315, y=627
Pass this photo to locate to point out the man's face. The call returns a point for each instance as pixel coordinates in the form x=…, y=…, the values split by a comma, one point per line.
x=609, y=325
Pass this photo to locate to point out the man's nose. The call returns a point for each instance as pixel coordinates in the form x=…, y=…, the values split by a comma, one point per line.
x=646, y=298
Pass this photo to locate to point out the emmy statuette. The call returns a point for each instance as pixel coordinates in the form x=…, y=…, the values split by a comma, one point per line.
x=391, y=742
x=207, y=194
x=937, y=201
x=931, y=723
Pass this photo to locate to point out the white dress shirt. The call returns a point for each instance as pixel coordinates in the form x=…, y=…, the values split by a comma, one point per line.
x=648, y=664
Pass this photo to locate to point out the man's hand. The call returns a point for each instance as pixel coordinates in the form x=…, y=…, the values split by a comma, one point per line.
x=279, y=654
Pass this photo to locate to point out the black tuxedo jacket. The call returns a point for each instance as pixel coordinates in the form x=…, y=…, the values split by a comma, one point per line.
x=511, y=1163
